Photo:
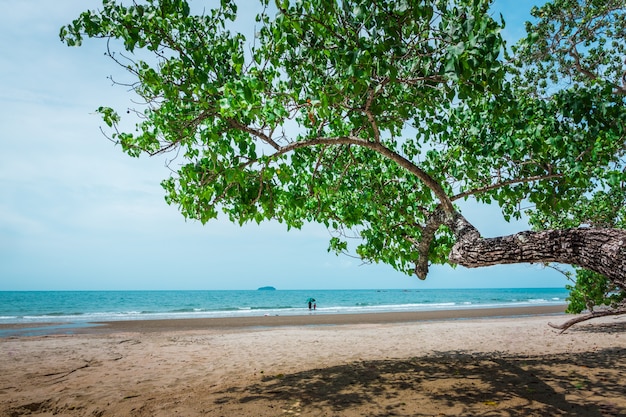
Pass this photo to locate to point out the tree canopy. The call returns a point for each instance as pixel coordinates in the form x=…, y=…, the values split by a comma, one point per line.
x=376, y=118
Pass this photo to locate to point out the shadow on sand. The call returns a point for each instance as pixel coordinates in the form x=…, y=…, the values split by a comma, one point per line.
x=444, y=384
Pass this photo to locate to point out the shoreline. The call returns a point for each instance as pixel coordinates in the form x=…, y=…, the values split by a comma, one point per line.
x=232, y=323
x=314, y=319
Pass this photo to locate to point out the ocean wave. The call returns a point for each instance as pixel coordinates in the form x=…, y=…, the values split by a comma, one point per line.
x=62, y=314
x=104, y=306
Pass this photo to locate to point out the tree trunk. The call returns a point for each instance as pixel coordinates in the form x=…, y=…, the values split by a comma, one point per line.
x=599, y=250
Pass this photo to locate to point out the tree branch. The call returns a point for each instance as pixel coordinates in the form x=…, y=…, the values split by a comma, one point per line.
x=593, y=315
x=599, y=250
x=503, y=184
x=433, y=223
x=434, y=186
x=254, y=132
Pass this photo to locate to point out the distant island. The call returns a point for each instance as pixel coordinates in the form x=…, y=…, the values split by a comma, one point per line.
x=267, y=289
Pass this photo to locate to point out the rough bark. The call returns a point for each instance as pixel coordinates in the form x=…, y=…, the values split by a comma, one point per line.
x=599, y=250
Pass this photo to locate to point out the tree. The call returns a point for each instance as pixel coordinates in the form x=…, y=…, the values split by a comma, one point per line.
x=375, y=118
x=581, y=44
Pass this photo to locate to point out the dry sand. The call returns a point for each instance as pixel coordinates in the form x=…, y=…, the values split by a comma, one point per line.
x=384, y=365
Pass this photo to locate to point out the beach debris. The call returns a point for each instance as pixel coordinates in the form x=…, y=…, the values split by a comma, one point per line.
x=60, y=375
x=592, y=315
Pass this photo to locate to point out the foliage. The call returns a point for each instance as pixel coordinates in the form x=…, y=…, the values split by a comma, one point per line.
x=345, y=79
x=574, y=55
x=591, y=290
x=581, y=45
x=372, y=117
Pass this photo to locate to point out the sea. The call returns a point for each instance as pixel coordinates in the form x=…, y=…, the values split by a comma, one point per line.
x=32, y=307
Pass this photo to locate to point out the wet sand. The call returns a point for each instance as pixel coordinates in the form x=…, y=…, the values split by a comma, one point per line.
x=312, y=319
x=495, y=363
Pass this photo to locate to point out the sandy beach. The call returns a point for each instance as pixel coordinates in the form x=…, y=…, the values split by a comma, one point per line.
x=506, y=363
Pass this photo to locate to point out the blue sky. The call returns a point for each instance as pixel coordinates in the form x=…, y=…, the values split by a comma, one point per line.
x=78, y=214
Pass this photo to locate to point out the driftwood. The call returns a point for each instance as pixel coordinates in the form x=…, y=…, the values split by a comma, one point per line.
x=589, y=316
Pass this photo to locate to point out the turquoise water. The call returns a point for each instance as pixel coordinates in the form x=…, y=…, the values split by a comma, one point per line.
x=91, y=306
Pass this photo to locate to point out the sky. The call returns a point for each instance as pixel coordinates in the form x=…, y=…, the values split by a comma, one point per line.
x=78, y=214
